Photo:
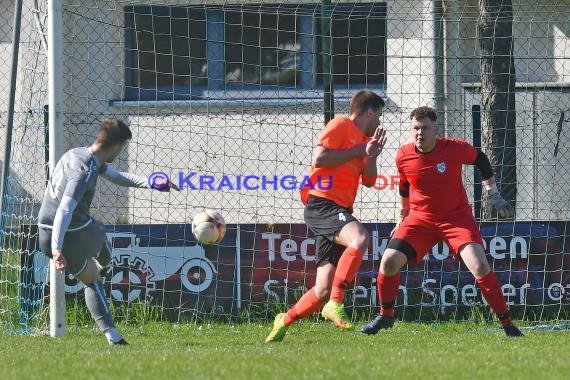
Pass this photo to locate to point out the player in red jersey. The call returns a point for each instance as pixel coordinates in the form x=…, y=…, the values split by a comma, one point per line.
x=348, y=148
x=435, y=207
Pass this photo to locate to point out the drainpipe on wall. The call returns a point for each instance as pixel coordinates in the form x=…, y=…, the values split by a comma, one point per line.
x=439, y=63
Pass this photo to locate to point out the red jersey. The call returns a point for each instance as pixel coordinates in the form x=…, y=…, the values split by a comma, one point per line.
x=339, y=134
x=436, y=186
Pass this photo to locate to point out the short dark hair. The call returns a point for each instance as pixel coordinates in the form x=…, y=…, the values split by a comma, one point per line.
x=424, y=111
x=363, y=100
x=113, y=131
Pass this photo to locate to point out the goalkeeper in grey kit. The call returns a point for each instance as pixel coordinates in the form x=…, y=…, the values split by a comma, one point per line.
x=67, y=232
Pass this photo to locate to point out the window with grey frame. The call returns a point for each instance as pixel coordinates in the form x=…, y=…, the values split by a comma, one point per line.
x=265, y=50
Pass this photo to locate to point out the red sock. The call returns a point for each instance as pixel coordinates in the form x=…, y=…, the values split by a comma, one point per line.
x=492, y=292
x=387, y=292
x=307, y=305
x=345, y=272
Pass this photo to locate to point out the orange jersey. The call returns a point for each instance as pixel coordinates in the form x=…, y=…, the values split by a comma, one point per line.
x=338, y=183
x=436, y=186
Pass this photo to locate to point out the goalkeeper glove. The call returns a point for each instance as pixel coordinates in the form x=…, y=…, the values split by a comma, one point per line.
x=496, y=201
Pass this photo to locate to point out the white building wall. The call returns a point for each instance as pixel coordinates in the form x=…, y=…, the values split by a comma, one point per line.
x=268, y=138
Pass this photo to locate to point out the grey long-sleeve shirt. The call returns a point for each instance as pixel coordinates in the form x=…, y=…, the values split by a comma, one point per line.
x=71, y=188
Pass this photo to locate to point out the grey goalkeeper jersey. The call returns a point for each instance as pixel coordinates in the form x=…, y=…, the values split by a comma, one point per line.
x=71, y=188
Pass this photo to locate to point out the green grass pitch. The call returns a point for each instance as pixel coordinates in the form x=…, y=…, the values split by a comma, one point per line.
x=311, y=350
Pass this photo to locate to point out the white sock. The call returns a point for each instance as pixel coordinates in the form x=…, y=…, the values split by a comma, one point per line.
x=113, y=335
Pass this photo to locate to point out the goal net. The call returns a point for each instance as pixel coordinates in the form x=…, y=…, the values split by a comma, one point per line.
x=228, y=99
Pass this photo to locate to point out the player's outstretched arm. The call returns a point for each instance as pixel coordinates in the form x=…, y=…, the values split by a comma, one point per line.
x=163, y=184
x=132, y=180
x=496, y=201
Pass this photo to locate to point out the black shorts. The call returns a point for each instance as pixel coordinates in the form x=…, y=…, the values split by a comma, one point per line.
x=79, y=246
x=325, y=218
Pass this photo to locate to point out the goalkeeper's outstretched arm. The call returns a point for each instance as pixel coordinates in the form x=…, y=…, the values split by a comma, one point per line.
x=504, y=209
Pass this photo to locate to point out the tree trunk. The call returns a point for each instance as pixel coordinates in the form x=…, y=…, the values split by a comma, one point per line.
x=498, y=112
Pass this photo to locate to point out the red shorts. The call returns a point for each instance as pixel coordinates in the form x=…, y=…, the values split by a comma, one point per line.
x=422, y=232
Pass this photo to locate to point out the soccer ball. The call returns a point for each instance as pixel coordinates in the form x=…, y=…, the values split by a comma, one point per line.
x=209, y=227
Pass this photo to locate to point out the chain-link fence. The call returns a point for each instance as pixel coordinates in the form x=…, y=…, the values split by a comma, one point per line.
x=224, y=90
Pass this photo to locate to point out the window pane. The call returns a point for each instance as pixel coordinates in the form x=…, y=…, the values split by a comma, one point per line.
x=261, y=45
x=168, y=48
x=358, y=44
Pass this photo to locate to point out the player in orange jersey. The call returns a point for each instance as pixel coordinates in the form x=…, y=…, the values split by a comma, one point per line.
x=435, y=207
x=348, y=147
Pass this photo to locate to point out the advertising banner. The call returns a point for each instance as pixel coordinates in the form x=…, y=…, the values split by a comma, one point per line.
x=256, y=266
